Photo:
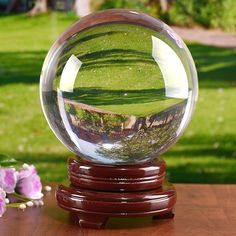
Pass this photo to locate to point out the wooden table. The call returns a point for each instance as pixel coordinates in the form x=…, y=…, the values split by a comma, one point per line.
x=200, y=210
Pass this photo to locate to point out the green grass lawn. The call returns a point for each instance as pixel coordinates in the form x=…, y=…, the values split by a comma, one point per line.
x=118, y=72
x=205, y=154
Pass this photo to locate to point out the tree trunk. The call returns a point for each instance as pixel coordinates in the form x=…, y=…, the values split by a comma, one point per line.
x=165, y=5
x=11, y=5
x=41, y=6
x=82, y=7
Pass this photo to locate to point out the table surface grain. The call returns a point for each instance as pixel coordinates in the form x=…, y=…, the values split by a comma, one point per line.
x=200, y=210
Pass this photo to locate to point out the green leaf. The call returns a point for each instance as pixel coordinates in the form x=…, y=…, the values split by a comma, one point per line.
x=7, y=161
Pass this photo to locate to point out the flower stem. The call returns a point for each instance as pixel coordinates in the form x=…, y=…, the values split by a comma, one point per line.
x=14, y=205
x=21, y=197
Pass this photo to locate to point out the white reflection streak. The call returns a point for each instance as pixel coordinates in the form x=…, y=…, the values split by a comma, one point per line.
x=186, y=115
x=69, y=74
x=62, y=111
x=67, y=81
x=175, y=77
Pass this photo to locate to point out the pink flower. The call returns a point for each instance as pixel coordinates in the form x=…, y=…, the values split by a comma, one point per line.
x=2, y=202
x=8, y=178
x=29, y=183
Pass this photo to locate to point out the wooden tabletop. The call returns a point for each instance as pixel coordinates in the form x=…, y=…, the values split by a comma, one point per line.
x=200, y=210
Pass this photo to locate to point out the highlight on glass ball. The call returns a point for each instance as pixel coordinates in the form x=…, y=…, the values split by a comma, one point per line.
x=118, y=87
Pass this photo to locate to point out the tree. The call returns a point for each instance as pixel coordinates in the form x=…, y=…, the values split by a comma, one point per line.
x=41, y=6
x=165, y=5
x=82, y=7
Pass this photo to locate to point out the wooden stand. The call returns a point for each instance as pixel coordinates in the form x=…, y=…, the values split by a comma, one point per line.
x=98, y=192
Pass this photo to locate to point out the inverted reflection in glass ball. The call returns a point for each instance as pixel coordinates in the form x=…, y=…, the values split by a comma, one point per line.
x=118, y=87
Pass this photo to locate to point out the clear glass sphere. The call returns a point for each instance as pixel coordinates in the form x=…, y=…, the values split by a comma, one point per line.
x=118, y=87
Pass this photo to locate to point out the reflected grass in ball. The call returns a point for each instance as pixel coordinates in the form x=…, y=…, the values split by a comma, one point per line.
x=118, y=87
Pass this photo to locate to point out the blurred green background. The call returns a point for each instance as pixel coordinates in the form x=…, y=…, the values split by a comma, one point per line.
x=207, y=151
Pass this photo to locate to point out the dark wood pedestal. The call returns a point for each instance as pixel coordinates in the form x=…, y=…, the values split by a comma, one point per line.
x=98, y=192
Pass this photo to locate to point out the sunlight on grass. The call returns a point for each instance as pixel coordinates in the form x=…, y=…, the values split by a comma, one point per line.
x=206, y=152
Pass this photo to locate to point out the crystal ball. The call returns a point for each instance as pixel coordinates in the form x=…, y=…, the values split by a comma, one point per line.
x=118, y=87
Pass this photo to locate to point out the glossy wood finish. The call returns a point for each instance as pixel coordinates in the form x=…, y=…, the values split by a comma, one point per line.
x=98, y=192
x=93, y=208
x=201, y=210
x=116, y=178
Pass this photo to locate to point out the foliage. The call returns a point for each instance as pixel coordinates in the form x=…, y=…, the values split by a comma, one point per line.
x=137, y=5
x=112, y=122
x=151, y=7
x=228, y=19
x=147, y=142
x=96, y=121
x=7, y=161
x=209, y=13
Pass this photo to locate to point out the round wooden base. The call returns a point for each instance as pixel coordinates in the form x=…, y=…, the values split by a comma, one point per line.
x=98, y=192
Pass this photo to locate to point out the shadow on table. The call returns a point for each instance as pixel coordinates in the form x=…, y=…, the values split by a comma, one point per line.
x=65, y=217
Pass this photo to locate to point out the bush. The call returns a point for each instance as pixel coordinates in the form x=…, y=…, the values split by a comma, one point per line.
x=140, y=5
x=228, y=19
x=208, y=13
